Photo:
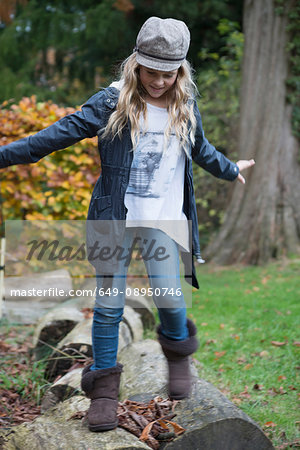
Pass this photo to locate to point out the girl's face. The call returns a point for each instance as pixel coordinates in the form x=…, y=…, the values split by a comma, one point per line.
x=157, y=83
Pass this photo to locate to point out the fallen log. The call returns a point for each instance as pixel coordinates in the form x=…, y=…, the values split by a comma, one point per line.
x=77, y=345
x=144, y=371
x=134, y=322
x=144, y=307
x=62, y=389
x=56, y=429
x=211, y=421
x=73, y=347
x=52, y=327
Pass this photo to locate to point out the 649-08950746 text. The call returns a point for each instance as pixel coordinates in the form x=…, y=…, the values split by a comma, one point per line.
x=135, y=292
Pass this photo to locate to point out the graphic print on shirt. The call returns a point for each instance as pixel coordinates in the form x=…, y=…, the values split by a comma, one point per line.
x=152, y=168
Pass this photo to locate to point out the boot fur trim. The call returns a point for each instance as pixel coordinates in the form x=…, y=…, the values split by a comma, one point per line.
x=90, y=376
x=180, y=348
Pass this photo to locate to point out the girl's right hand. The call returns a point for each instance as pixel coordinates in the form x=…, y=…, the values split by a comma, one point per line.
x=242, y=165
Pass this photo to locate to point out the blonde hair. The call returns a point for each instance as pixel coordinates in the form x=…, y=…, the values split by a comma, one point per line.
x=132, y=104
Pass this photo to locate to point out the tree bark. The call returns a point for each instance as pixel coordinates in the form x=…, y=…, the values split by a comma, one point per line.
x=56, y=430
x=263, y=218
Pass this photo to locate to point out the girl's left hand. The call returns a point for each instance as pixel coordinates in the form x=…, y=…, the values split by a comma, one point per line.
x=242, y=165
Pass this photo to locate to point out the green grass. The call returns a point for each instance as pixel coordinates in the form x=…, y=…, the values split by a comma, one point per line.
x=239, y=311
x=19, y=372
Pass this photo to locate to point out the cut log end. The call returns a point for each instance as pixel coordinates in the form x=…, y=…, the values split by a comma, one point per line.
x=225, y=434
x=51, y=335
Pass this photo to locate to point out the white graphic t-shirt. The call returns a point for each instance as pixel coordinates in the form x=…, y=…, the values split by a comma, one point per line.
x=155, y=189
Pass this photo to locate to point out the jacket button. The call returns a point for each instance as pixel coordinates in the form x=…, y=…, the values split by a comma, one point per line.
x=112, y=104
x=108, y=100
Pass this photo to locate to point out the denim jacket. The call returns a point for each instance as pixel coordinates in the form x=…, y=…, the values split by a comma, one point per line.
x=107, y=200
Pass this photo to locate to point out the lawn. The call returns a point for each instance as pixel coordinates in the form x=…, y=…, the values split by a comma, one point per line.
x=248, y=326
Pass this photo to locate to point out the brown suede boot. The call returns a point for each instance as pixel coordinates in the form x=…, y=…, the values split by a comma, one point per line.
x=102, y=387
x=176, y=352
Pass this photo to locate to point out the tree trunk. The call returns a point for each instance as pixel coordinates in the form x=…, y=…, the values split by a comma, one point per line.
x=263, y=217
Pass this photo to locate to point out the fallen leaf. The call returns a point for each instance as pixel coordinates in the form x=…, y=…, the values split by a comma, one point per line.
x=211, y=341
x=296, y=343
x=177, y=428
x=265, y=279
x=270, y=424
x=274, y=391
x=235, y=336
x=4, y=347
x=151, y=421
x=220, y=354
x=278, y=344
x=264, y=354
x=281, y=377
x=237, y=401
x=146, y=431
x=241, y=360
x=248, y=366
x=245, y=393
x=258, y=387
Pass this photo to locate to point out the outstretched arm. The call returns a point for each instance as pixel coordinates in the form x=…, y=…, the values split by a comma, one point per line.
x=62, y=134
x=206, y=156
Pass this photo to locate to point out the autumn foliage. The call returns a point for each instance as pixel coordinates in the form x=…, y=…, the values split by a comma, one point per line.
x=59, y=186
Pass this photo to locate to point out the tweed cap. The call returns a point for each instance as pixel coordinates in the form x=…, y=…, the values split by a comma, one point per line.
x=162, y=44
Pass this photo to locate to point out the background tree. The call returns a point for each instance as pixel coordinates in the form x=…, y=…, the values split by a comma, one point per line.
x=263, y=219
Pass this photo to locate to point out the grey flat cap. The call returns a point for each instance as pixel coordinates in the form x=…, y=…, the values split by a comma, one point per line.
x=162, y=44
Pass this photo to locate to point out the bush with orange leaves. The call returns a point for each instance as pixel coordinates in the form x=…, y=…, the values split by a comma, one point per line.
x=59, y=186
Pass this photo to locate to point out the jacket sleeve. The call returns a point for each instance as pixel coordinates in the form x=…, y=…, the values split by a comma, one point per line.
x=206, y=156
x=63, y=133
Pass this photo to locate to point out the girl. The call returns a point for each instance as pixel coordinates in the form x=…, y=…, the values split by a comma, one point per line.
x=149, y=129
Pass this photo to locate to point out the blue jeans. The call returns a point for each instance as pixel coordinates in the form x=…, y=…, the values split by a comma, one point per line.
x=164, y=279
